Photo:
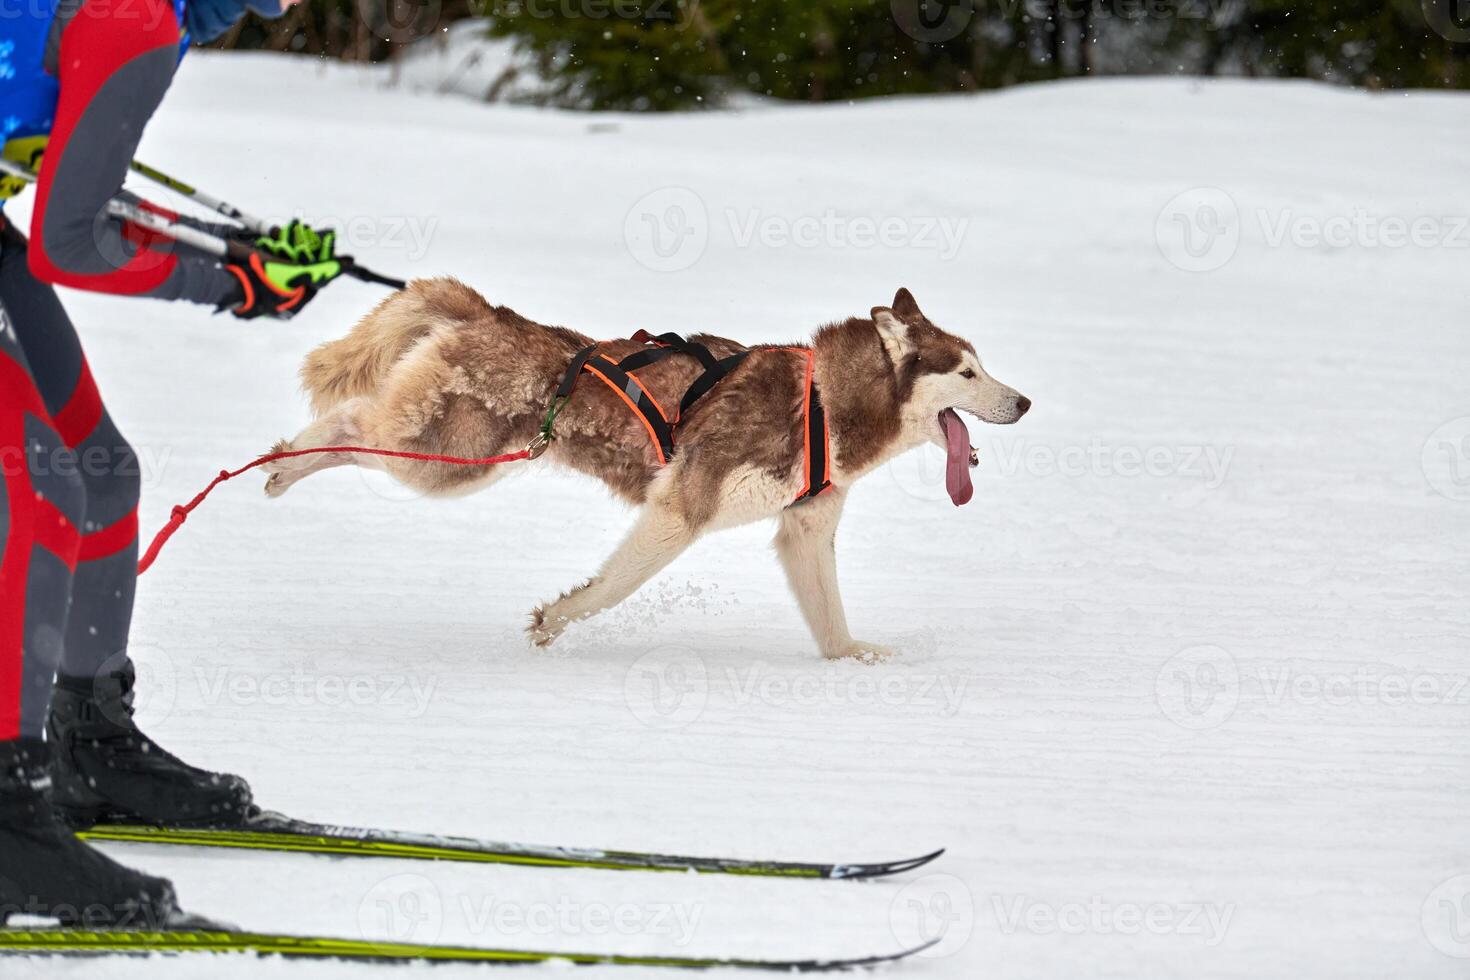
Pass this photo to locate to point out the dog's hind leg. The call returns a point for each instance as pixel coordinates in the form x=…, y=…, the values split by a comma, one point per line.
x=806, y=545
x=338, y=427
x=660, y=535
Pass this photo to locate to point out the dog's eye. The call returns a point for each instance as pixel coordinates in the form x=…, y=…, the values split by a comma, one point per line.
x=967, y=373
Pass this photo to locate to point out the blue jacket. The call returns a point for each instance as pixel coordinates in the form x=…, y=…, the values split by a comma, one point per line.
x=27, y=90
x=79, y=80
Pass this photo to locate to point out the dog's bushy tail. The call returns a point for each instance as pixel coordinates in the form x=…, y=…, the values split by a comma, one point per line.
x=357, y=364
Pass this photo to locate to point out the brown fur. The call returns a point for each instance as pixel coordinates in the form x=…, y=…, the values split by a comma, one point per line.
x=468, y=379
x=436, y=369
x=357, y=363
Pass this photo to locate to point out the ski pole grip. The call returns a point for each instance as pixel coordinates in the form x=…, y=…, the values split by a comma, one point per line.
x=238, y=251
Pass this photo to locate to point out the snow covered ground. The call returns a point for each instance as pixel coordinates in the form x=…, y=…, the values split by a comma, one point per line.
x=1184, y=691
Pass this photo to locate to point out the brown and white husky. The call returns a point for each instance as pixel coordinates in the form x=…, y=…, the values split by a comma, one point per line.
x=436, y=369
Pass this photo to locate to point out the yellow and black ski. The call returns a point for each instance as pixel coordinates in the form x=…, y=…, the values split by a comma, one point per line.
x=86, y=942
x=274, y=832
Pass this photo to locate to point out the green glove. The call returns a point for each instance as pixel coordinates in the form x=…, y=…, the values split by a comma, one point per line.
x=277, y=289
x=300, y=244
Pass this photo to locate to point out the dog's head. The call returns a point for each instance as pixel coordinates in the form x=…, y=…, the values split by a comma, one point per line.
x=940, y=375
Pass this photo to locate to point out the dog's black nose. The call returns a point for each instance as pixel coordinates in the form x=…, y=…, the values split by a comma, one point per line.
x=1023, y=404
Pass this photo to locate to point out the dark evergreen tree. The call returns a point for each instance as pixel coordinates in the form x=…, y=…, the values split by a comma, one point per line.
x=669, y=54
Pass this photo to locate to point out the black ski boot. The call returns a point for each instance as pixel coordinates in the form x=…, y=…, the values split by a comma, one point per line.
x=47, y=873
x=104, y=770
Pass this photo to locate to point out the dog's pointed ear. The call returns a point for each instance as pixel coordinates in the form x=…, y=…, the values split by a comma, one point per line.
x=894, y=333
x=906, y=307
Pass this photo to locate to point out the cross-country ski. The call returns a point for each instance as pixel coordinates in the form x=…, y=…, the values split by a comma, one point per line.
x=82, y=942
x=274, y=832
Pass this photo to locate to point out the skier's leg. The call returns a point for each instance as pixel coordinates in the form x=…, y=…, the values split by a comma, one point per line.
x=44, y=869
x=103, y=766
x=44, y=503
x=107, y=565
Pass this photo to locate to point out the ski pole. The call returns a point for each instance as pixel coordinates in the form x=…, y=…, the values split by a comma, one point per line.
x=194, y=237
x=208, y=200
x=224, y=248
x=252, y=223
x=161, y=224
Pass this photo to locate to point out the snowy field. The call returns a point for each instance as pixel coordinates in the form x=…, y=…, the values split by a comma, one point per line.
x=1184, y=690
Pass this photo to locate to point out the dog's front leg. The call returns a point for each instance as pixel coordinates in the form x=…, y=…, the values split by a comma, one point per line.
x=660, y=535
x=807, y=545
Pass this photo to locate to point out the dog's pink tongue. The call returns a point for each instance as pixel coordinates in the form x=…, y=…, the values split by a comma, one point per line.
x=957, y=469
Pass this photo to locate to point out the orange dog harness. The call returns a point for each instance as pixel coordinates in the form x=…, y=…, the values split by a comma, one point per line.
x=622, y=378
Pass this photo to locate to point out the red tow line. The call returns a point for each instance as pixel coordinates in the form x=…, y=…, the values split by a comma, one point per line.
x=181, y=512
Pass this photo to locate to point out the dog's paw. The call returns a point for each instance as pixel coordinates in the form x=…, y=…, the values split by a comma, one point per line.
x=275, y=481
x=867, y=653
x=545, y=627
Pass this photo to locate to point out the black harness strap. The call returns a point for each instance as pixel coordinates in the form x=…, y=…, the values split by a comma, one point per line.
x=673, y=341
x=660, y=428
x=619, y=376
x=715, y=369
x=818, y=440
x=711, y=377
x=643, y=358
x=574, y=371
